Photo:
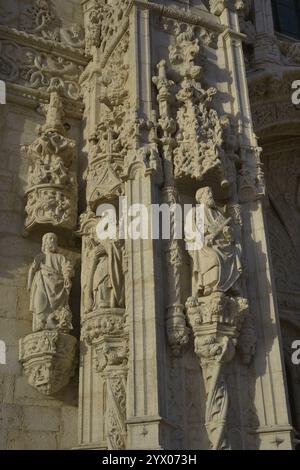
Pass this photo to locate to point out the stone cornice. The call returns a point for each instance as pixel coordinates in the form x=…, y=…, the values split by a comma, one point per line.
x=32, y=98
x=207, y=20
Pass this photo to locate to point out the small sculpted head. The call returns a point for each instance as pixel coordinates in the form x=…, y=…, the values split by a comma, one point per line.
x=205, y=196
x=49, y=243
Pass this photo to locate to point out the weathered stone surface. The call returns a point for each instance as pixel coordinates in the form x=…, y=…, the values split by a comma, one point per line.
x=179, y=348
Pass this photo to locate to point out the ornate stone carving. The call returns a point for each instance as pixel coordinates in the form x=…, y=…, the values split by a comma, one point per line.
x=40, y=71
x=216, y=321
x=51, y=195
x=48, y=355
x=38, y=18
x=217, y=310
x=199, y=138
x=48, y=359
x=110, y=142
x=175, y=20
x=105, y=330
x=105, y=22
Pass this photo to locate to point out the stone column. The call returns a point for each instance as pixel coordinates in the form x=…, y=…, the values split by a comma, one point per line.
x=146, y=399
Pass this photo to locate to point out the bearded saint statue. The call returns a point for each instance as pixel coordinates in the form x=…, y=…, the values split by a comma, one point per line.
x=216, y=265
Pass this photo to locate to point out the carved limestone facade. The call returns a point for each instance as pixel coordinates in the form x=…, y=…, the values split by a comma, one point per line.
x=148, y=343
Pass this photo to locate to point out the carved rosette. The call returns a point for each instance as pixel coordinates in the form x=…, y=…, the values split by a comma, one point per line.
x=216, y=321
x=51, y=195
x=105, y=331
x=49, y=359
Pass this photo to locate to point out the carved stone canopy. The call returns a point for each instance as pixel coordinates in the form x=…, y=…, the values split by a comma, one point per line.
x=51, y=195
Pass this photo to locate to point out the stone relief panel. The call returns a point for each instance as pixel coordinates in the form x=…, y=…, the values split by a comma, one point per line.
x=44, y=19
x=51, y=195
x=48, y=354
x=39, y=71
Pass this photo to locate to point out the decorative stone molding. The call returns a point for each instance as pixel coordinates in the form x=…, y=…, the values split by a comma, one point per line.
x=48, y=359
x=103, y=322
x=51, y=195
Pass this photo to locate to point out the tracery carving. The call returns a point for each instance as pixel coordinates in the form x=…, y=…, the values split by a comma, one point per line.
x=51, y=195
x=48, y=354
x=110, y=142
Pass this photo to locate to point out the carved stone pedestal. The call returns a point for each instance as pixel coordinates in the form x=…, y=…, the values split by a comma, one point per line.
x=216, y=321
x=105, y=331
x=48, y=359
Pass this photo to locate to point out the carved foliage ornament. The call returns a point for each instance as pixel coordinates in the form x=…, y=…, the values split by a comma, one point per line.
x=40, y=71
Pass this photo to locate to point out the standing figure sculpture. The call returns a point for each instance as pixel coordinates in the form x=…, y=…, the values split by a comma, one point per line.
x=105, y=282
x=49, y=283
x=216, y=266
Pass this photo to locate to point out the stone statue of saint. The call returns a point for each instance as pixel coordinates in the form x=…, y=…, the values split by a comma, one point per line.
x=105, y=283
x=49, y=283
x=216, y=267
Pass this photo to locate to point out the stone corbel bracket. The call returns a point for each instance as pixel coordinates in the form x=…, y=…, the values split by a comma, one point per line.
x=49, y=360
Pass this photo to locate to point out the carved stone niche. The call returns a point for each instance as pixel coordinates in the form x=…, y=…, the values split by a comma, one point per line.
x=106, y=332
x=216, y=321
x=51, y=194
x=48, y=359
